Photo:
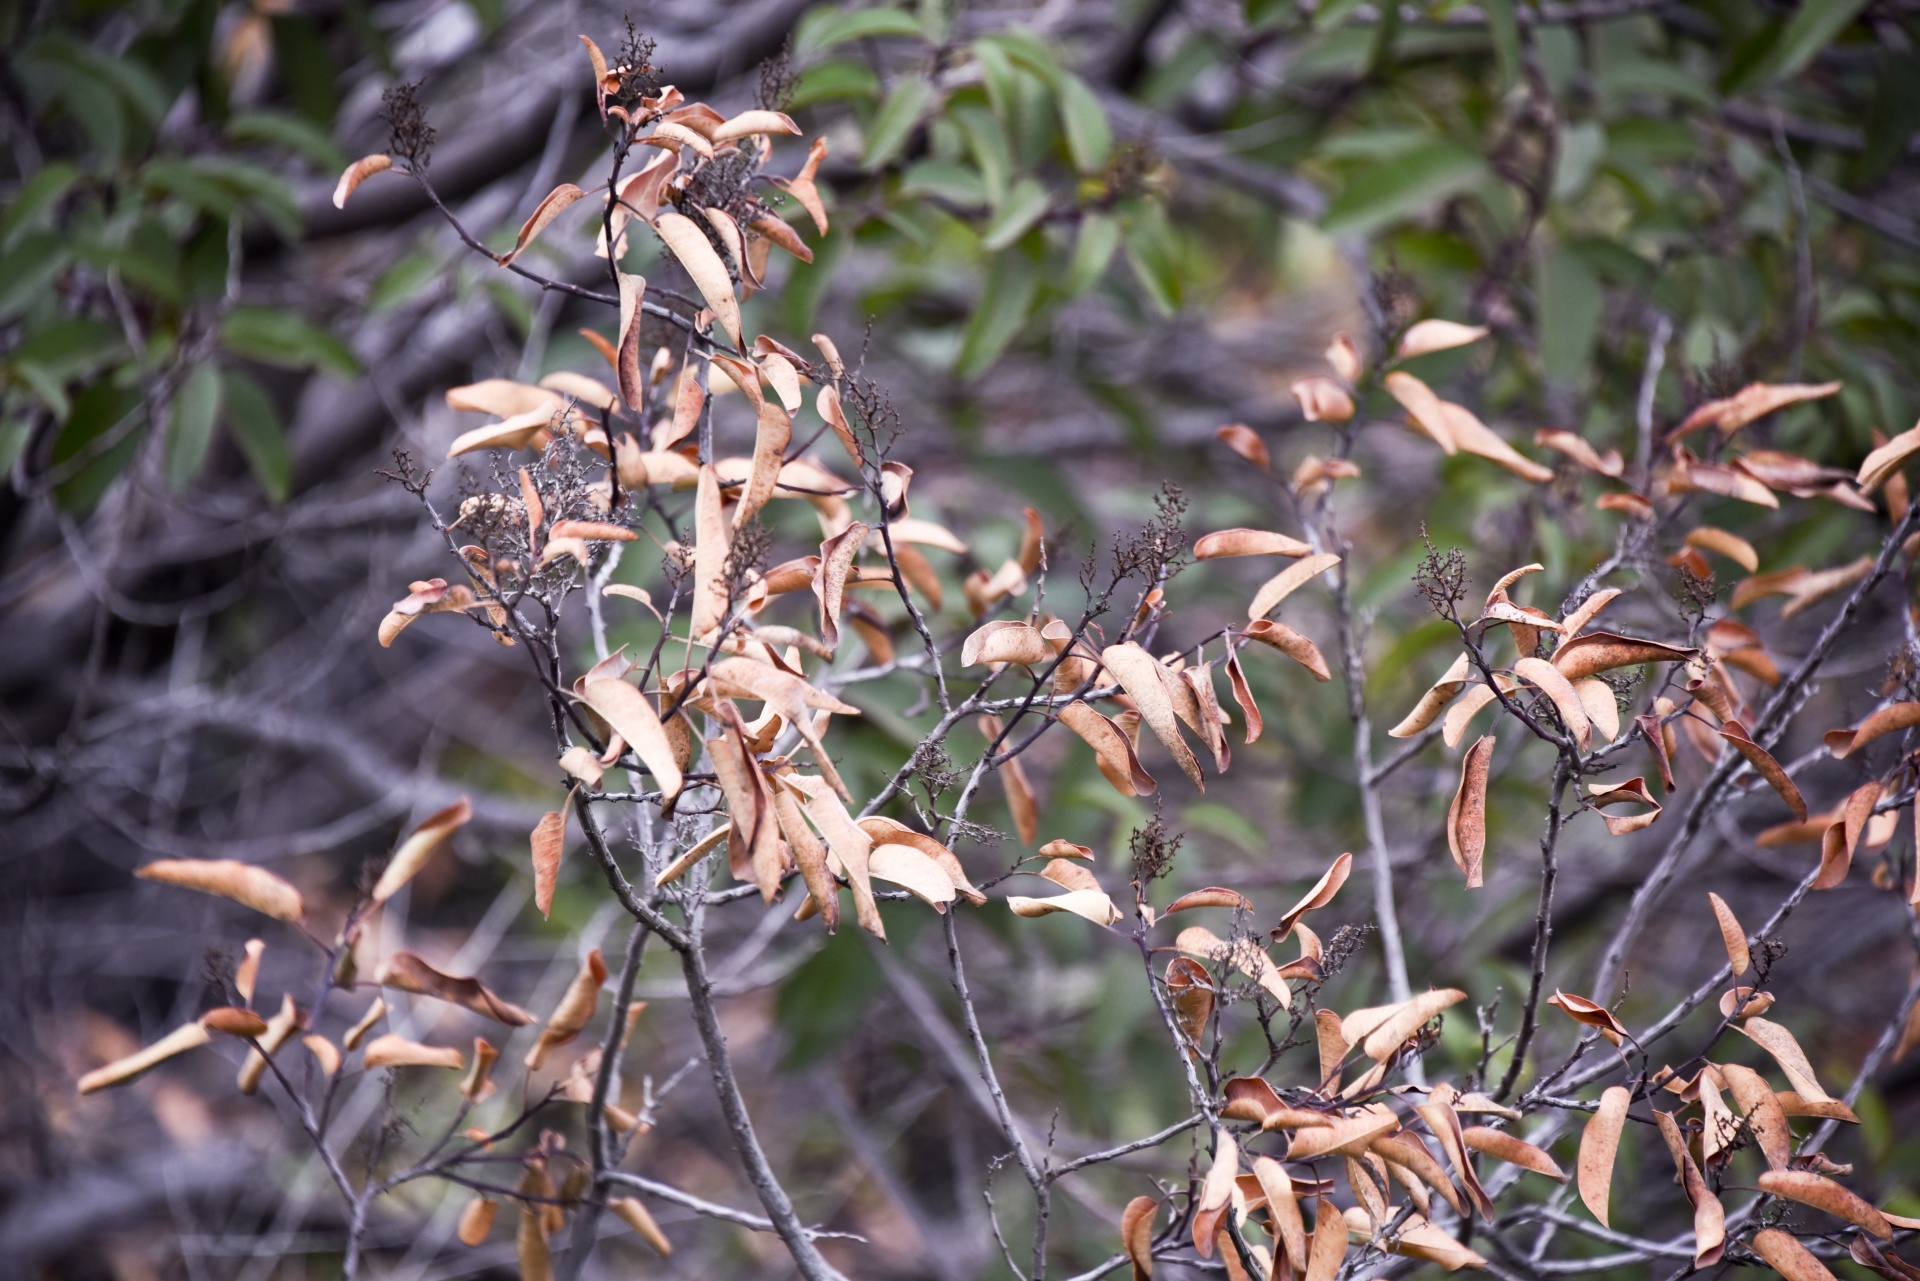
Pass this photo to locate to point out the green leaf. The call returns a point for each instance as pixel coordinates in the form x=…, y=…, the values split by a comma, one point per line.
x=837, y=80
x=1505, y=30
x=1812, y=28
x=1026, y=204
x=947, y=180
x=287, y=339
x=70, y=349
x=403, y=281
x=37, y=195
x=1570, y=302
x=998, y=316
x=1154, y=254
x=96, y=442
x=998, y=75
x=824, y=28
x=290, y=133
x=1383, y=194
x=896, y=120
x=987, y=140
x=130, y=81
x=1084, y=121
x=27, y=271
x=1093, y=249
x=255, y=427
x=824, y=1001
x=196, y=406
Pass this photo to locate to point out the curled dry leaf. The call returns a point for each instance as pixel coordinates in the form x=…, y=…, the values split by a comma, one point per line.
x=830, y=580
x=356, y=173
x=1243, y=696
x=279, y=1028
x=1765, y=1118
x=1190, y=992
x=1888, y=459
x=1247, y=542
x=1425, y=410
x=1006, y=641
x=914, y=871
x=1892, y=719
x=696, y=253
x=1249, y=1098
x=802, y=187
x=408, y=973
x=636, y=1216
x=357, y=1033
x=1549, y=680
x=770, y=440
x=1604, y=796
x=1740, y=1002
x=1323, y=400
x=1732, y=934
x=557, y=201
x=1136, y=1235
x=1146, y=683
x=1754, y=401
x=1511, y=1149
x=1345, y=1135
x=1598, y=652
x=1245, y=441
x=575, y=1011
x=1475, y=437
x=1788, y=1257
x=477, y=1084
x=476, y=1221
x=190, y=1036
x=1435, y=700
x=396, y=1051
x=1212, y=896
x=420, y=846
x=1732, y=546
x=1316, y=898
x=1827, y=1196
x=1243, y=954
x=549, y=842
x=1766, y=766
x=1591, y=1013
x=427, y=596
x=1438, y=335
x=1382, y=1030
x=1467, y=816
x=1709, y=1217
x=1599, y=1144
x=251, y=886
x=1841, y=838
x=633, y=718
x=1576, y=447
x=1094, y=905
x=1786, y=1051
x=1291, y=643
x=1289, y=580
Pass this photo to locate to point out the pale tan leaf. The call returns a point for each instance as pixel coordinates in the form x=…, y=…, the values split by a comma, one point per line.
x=1475, y=437
x=190, y=1036
x=1511, y=1149
x=1145, y=682
x=1598, y=652
x=1888, y=459
x=636, y=1216
x=1316, y=898
x=1602, y=708
x=1765, y=1118
x=1438, y=335
x=409, y=973
x=1732, y=546
x=396, y=1051
x=575, y=1010
x=1888, y=720
x=1435, y=700
x=549, y=843
x=1288, y=580
x=770, y=440
x=556, y=202
x=1243, y=696
x=1093, y=905
x=420, y=845
x=907, y=867
x=830, y=582
x=1322, y=399
x=250, y=886
x=1244, y=441
x=476, y=1221
x=1381, y=1031
x=1291, y=643
x=1005, y=641
x=1755, y=400
x=1247, y=542
x=1329, y=1246
x=1549, y=680
x=356, y=173
x=1788, y=1257
x=358, y=1032
x=1112, y=749
x=1599, y=1144
x=1786, y=1051
x=1425, y=410
x=695, y=252
x=710, y=549
x=1732, y=934
x=1575, y=447
x=632, y=716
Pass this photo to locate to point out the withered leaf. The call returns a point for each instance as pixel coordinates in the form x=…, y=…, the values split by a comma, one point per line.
x=1591, y=1013
x=1598, y=652
x=1786, y=1051
x=1246, y=442
x=476, y=1220
x=408, y=973
x=1136, y=1235
x=1467, y=816
x=556, y=201
x=1318, y=897
x=1825, y=1195
x=1765, y=1118
x=1243, y=696
x=1093, y=905
x=1766, y=766
x=189, y=1036
x=250, y=886
x=1145, y=681
x=358, y=172
x=1289, y=580
x=1435, y=700
x=696, y=253
x=1785, y=1255
x=1382, y=1030
x=1291, y=643
x=1732, y=934
x=575, y=1010
x=1888, y=459
x=1006, y=641
x=1599, y=1143
x=1438, y=335
x=1888, y=720
x=633, y=718
x=396, y=1051
x=1248, y=542
x=1511, y=1149
x=1425, y=410
x=1754, y=401
x=420, y=846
